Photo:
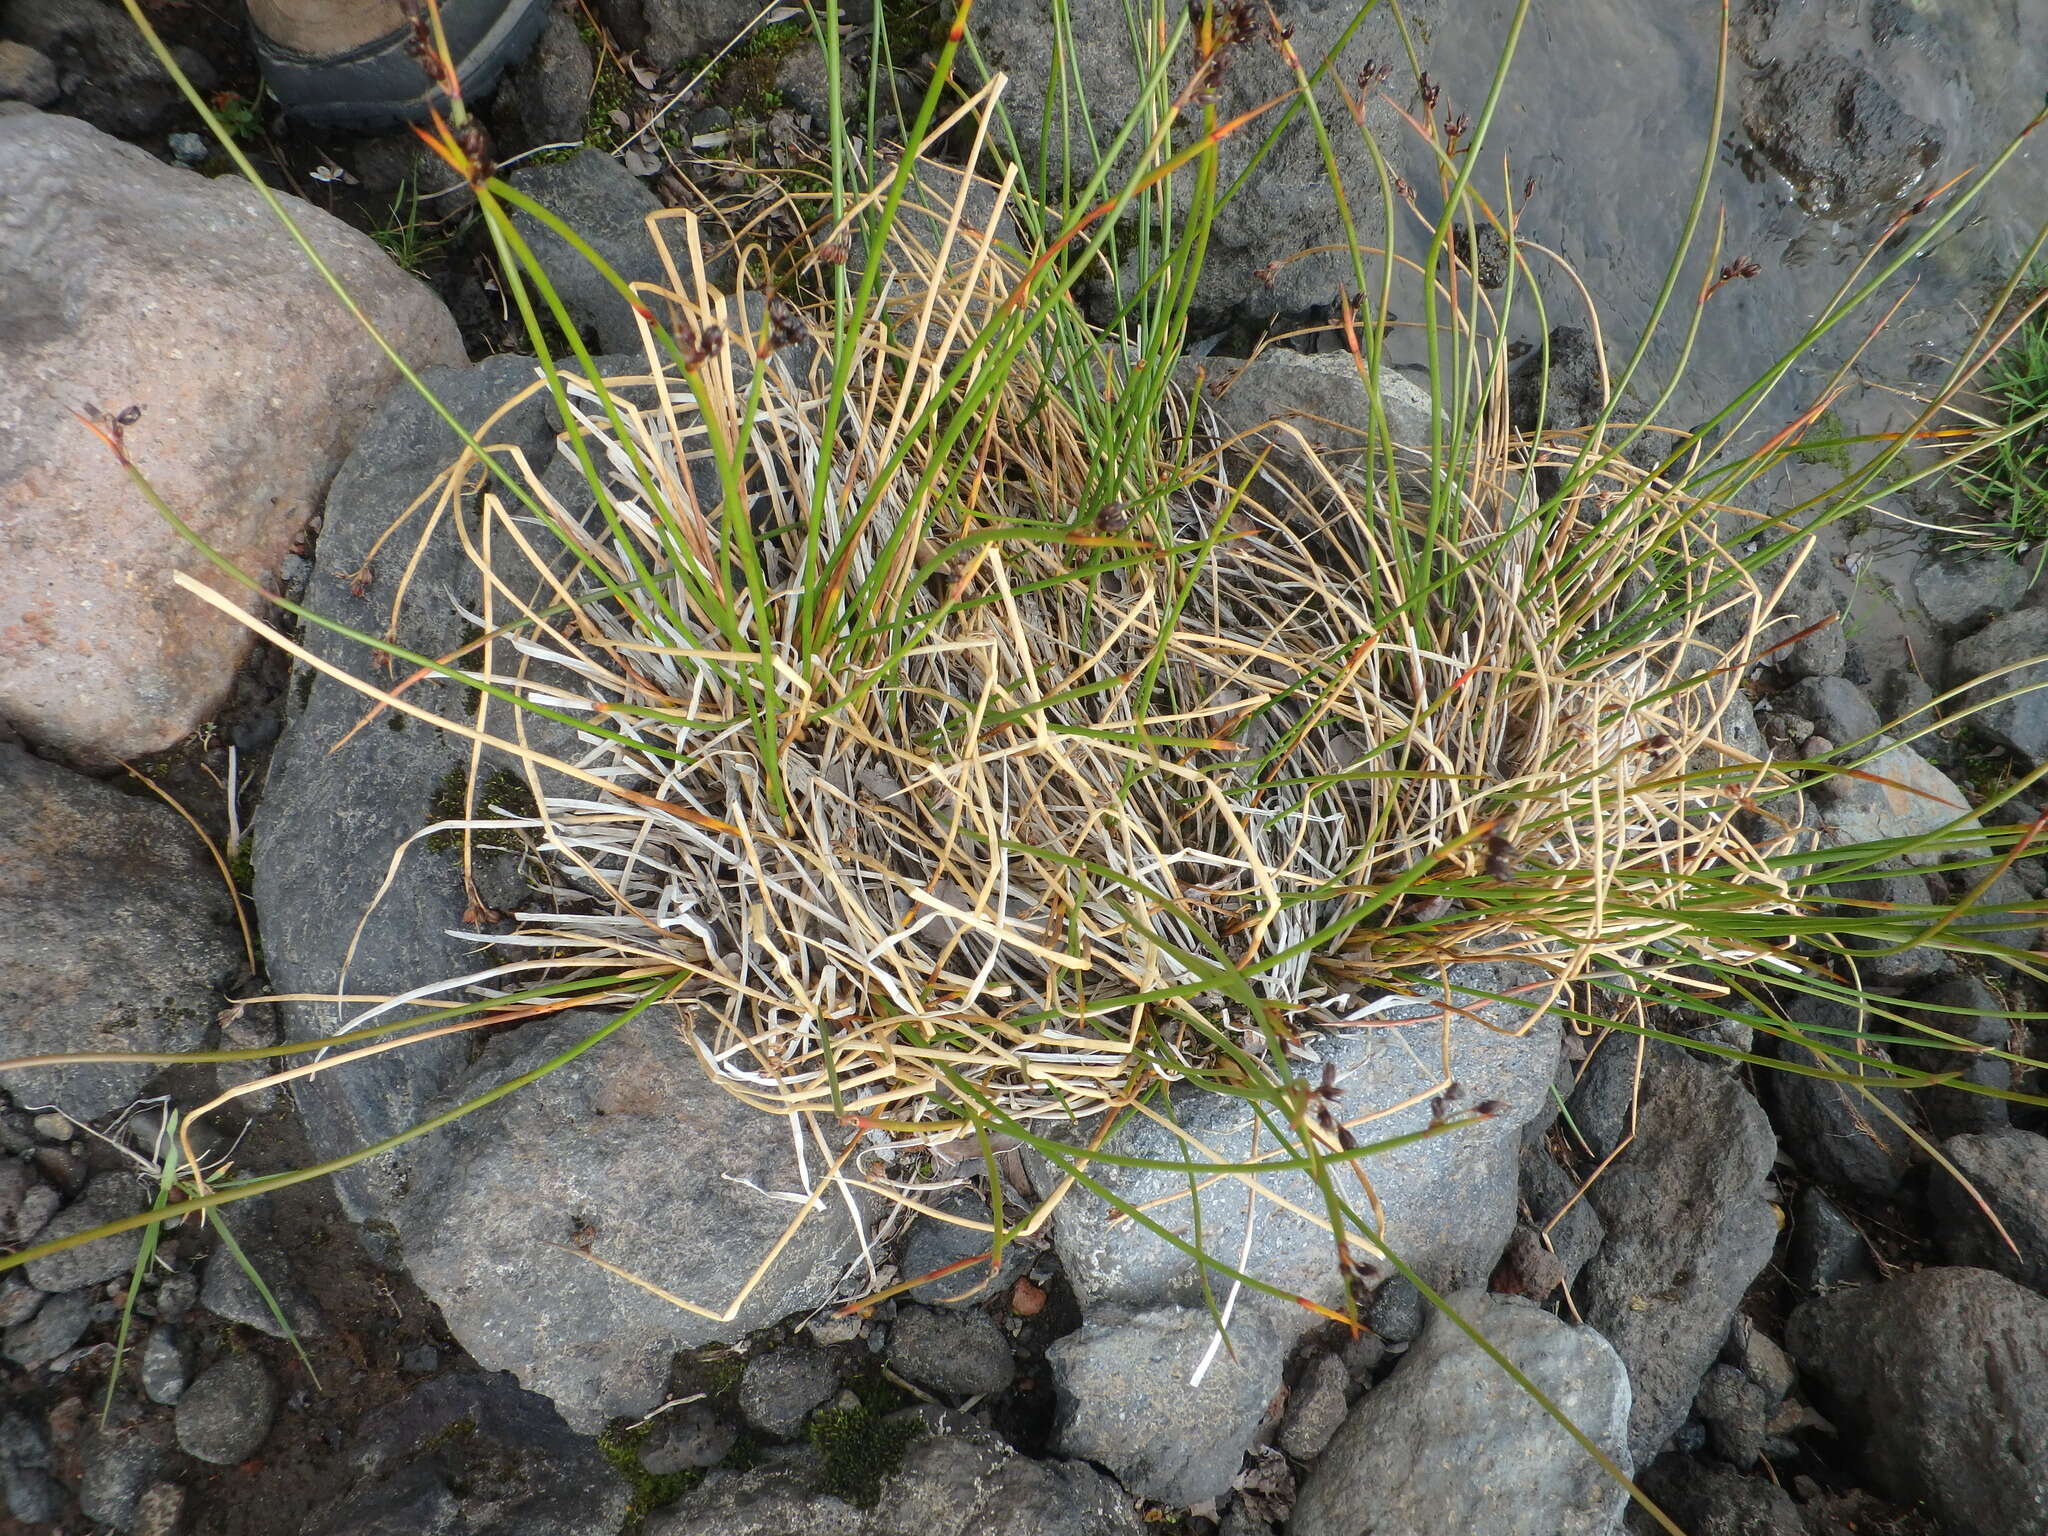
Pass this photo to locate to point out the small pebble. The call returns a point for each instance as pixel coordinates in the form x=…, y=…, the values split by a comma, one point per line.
x=1396, y=1311
x=158, y=1510
x=1315, y=1409
x=61, y=1166
x=226, y=1412
x=960, y=1353
x=176, y=1295
x=778, y=1390
x=57, y=1325
x=22, y=1441
x=188, y=148
x=33, y=1496
x=163, y=1366
x=829, y=1328
x=689, y=1436
x=18, y=1300
x=1027, y=1299
x=37, y=1207
x=54, y=1127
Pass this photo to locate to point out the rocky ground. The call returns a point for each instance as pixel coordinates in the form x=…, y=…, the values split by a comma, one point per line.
x=1774, y=1309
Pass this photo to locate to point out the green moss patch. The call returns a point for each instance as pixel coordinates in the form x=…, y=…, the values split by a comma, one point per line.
x=501, y=789
x=862, y=1445
x=650, y=1491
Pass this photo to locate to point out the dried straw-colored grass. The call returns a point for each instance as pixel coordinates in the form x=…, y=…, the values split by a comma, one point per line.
x=1062, y=810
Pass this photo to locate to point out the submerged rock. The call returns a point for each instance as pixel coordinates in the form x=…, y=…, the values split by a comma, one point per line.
x=1449, y=1442
x=1837, y=134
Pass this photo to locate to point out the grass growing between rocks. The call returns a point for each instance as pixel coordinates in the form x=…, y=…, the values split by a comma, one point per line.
x=966, y=737
x=2008, y=478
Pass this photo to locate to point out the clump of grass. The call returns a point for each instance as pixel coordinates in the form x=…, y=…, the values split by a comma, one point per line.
x=2008, y=479
x=958, y=734
x=409, y=232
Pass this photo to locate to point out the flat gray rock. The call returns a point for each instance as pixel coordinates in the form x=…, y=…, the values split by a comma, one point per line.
x=1128, y=1402
x=1450, y=1443
x=1449, y=1201
x=109, y=1197
x=89, y=873
x=673, y=1179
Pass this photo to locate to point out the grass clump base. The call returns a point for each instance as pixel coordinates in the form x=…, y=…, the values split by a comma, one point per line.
x=2008, y=478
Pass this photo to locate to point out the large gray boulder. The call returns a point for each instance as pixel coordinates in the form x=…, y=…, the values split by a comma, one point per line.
x=117, y=933
x=1688, y=1218
x=127, y=282
x=1280, y=240
x=1130, y=1398
x=1449, y=1200
x=1450, y=1442
x=663, y=1173
x=1934, y=1378
x=469, y=1454
x=334, y=816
